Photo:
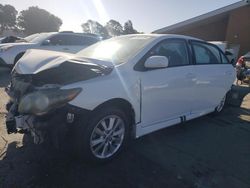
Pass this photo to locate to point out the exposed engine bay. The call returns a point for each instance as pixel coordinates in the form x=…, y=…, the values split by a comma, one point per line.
x=40, y=107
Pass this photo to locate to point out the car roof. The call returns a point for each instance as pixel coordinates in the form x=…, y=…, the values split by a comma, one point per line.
x=81, y=34
x=70, y=33
x=168, y=36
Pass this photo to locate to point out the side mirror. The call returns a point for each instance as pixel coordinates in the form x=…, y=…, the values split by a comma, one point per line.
x=46, y=43
x=155, y=62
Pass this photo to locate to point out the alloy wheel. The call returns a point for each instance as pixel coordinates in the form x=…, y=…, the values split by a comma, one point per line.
x=107, y=136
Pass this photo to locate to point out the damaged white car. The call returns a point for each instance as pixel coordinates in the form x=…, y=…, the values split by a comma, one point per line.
x=115, y=90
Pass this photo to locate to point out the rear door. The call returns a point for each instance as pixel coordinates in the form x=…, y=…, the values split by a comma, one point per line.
x=213, y=76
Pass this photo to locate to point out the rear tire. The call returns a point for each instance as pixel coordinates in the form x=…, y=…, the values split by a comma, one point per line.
x=104, y=136
x=220, y=107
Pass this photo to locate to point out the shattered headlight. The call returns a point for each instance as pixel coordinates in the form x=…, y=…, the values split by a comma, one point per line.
x=42, y=101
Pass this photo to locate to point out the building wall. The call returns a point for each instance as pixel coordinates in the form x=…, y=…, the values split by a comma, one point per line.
x=212, y=31
x=238, y=29
x=233, y=27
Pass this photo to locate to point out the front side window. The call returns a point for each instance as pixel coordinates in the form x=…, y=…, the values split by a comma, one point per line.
x=205, y=54
x=175, y=51
x=72, y=40
x=57, y=40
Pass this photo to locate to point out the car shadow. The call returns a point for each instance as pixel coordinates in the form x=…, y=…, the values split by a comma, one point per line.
x=40, y=166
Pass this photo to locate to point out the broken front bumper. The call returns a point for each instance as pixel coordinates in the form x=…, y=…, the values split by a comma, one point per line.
x=53, y=126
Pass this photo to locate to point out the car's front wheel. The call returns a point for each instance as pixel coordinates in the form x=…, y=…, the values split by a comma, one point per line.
x=104, y=136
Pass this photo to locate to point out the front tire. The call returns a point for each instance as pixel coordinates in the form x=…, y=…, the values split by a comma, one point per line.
x=104, y=136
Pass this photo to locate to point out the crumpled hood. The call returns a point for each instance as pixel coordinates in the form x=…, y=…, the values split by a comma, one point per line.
x=35, y=61
x=42, y=67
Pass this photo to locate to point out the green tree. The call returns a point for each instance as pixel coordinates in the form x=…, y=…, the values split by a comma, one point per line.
x=94, y=27
x=7, y=17
x=114, y=28
x=128, y=28
x=36, y=20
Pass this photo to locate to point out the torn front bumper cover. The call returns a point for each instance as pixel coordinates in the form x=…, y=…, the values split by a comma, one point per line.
x=53, y=126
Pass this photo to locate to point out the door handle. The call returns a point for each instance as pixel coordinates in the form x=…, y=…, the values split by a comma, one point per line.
x=65, y=49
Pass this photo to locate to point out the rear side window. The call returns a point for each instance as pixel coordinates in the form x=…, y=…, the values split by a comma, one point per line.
x=72, y=40
x=205, y=53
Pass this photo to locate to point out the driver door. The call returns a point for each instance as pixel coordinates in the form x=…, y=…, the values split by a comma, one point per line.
x=167, y=93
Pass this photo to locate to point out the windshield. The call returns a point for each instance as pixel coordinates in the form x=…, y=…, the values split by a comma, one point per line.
x=30, y=37
x=118, y=49
x=37, y=38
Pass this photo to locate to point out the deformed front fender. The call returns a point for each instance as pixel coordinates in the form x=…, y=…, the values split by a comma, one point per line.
x=101, y=89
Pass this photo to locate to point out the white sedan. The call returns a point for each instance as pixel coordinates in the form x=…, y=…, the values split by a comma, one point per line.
x=69, y=42
x=115, y=90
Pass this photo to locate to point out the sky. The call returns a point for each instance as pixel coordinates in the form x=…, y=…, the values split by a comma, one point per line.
x=146, y=15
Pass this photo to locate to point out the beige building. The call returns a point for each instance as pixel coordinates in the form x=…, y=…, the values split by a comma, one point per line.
x=230, y=24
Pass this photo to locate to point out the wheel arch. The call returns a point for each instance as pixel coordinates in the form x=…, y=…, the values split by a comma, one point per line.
x=18, y=56
x=126, y=107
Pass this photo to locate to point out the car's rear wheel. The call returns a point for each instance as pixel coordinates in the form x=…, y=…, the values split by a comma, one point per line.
x=104, y=136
